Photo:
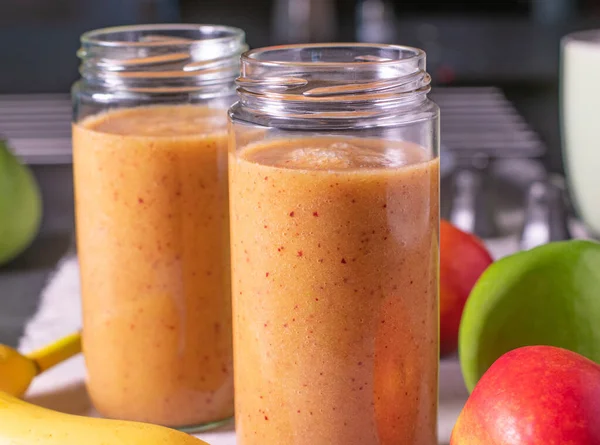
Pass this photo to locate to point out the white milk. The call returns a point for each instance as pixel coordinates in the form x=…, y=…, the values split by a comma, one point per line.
x=580, y=109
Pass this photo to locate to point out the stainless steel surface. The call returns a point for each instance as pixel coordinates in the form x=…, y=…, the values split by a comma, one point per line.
x=546, y=215
x=506, y=184
x=472, y=203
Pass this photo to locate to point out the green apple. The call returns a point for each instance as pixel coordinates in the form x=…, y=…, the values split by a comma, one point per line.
x=20, y=205
x=549, y=295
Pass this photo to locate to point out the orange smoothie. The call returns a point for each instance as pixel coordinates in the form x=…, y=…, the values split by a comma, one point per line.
x=153, y=242
x=335, y=292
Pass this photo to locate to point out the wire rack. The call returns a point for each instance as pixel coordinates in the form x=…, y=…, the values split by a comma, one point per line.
x=475, y=120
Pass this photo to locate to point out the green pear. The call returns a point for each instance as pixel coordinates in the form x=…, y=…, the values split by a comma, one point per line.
x=20, y=205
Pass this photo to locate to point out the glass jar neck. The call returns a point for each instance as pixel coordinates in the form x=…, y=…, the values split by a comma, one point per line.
x=339, y=83
x=162, y=59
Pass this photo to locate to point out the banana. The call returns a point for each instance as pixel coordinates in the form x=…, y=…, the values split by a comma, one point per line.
x=22, y=423
x=18, y=370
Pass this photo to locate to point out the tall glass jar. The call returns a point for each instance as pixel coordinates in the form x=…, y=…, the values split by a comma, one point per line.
x=334, y=184
x=150, y=171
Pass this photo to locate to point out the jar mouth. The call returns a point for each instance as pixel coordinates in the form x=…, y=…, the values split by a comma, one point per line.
x=320, y=71
x=333, y=80
x=337, y=55
x=149, y=35
x=163, y=58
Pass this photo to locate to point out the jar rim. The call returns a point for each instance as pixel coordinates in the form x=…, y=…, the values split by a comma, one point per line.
x=222, y=34
x=332, y=83
x=162, y=59
x=251, y=57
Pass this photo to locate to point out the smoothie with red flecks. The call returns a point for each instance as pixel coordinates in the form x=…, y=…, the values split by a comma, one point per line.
x=335, y=291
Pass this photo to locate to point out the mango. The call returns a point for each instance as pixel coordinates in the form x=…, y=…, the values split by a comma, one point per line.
x=24, y=423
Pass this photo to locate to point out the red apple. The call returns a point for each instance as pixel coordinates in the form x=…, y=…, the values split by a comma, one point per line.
x=534, y=395
x=463, y=258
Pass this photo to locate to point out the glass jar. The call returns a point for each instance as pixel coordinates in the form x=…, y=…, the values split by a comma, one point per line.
x=334, y=194
x=150, y=172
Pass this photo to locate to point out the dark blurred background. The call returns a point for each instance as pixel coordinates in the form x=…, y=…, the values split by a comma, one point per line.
x=513, y=44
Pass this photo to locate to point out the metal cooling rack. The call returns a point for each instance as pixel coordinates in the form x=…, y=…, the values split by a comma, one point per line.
x=477, y=120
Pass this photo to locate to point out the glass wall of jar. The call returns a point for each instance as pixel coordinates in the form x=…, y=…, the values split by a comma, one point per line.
x=334, y=191
x=152, y=216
